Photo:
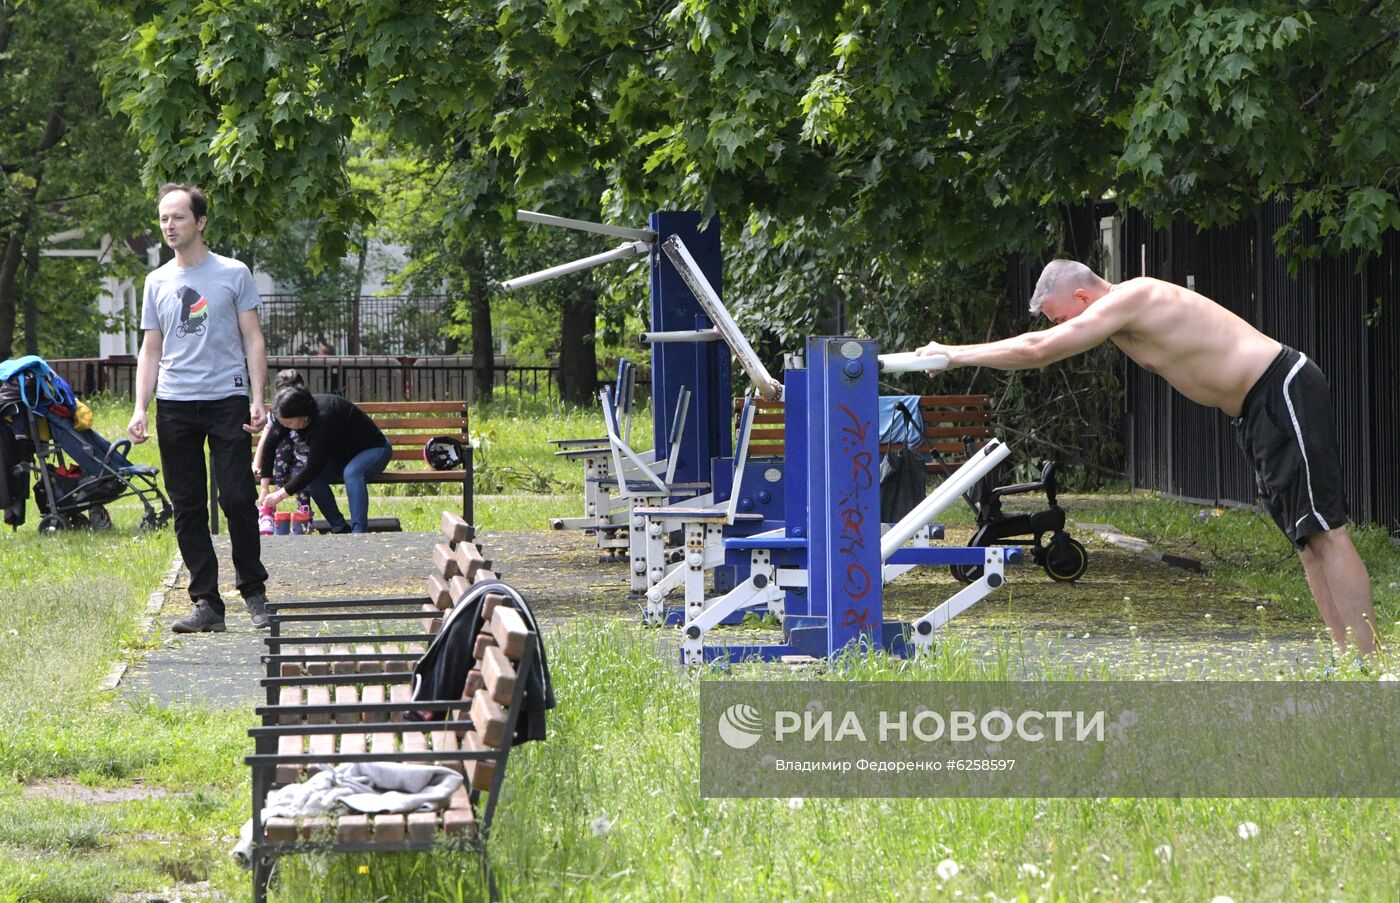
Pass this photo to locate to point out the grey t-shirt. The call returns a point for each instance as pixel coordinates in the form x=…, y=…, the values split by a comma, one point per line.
x=196, y=309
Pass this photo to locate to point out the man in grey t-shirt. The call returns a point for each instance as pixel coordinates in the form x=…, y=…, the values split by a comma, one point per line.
x=199, y=315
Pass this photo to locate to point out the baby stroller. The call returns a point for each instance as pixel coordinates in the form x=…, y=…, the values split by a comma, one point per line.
x=1063, y=557
x=76, y=472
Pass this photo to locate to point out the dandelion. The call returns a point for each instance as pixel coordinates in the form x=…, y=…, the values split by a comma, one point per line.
x=1031, y=870
x=1164, y=852
x=947, y=870
x=796, y=802
x=600, y=826
x=1389, y=677
x=1247, y=830
x=1207, y=616
x=363, y=870
x=1221, y=898
x=1259, y=607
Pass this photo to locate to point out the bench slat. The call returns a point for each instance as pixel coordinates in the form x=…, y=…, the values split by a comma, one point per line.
x=439, y=592
x=510, y=631
x=459, y=819
x=280, y=830
x=396, y=421
x=444, y=561
x=318, y=696
x=344, y=667
x=469, y=559
x=489, y=718
x=388, y=828
x=455, y=528
x=289, y=746
x=422, y=826
x=489, y=605
x=421, y=476
x=353, y=828
x=480, y=772
x=379, y=407
x=498, y=674
x=346, y=695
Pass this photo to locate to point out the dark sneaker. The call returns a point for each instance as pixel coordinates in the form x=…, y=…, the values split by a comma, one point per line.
x=202, y=620
x=256, y=606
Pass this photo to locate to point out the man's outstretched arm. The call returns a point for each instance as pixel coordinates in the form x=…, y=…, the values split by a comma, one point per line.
x=1099, y=322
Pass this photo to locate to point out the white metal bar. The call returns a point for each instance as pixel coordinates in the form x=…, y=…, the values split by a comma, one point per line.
x=673, y=453
x=741, y=460
x=994, y=563
x=908, y=361
x=621, y=449
x=764, y=383
x=681, y=335
x=583, y=225
x=972, y=470
x=621, y=252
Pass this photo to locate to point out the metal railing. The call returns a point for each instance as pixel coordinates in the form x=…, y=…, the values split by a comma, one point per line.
x=359, y=378
x=368, y=325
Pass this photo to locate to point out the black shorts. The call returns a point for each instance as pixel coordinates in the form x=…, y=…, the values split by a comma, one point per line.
x=1286, y=431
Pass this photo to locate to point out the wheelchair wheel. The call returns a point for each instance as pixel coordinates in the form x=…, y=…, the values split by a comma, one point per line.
x=966, y=573
x=1066, y=560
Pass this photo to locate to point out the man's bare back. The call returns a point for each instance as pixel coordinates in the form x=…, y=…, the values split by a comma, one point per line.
x=1205, y=351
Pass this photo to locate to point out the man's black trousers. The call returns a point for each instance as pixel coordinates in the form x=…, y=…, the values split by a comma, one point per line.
x=182, y=428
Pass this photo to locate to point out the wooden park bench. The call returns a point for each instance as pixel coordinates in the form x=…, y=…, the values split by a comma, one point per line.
x=408, y=425
x=343, y=698
x=949, y=420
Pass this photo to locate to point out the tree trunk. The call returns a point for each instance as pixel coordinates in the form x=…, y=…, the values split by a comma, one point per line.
x=578, y=355
x=9, y=268
x=483, y=342
x=353, y=346
x=31, y=301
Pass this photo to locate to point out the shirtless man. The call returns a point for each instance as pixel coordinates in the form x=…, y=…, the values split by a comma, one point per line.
x=1277, y=397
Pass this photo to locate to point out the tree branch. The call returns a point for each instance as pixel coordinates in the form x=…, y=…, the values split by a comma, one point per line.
x=1358, y=57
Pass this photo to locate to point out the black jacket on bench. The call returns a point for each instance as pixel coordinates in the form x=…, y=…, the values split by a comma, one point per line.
x=442, y=671
x=338, y=431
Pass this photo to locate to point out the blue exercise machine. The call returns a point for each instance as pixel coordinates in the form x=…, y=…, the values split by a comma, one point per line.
x=828, y=560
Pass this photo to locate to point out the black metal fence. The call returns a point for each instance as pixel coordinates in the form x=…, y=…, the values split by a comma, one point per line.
x=370, y=325
x=359, y=378
x=1344, y=318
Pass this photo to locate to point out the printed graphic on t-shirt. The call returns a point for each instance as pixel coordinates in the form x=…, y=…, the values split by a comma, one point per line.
x=194, y=312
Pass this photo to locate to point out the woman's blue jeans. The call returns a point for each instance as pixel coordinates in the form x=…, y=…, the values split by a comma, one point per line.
x=368, y=463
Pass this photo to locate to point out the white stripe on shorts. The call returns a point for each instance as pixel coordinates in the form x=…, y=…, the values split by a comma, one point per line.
x=1298, y=434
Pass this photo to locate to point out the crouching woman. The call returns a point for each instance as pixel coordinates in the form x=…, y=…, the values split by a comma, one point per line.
x=343, y=445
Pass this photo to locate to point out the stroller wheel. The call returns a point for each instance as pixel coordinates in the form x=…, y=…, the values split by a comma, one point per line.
x=51, y=523
x=149, y=523
x=1066, y=560
x=100, y=517
x=78, y=521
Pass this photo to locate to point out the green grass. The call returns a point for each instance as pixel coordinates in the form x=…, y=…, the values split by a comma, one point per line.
x=1241, y=547
x=621, y=752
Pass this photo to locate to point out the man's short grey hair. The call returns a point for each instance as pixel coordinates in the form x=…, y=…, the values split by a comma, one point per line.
x=1062, y=277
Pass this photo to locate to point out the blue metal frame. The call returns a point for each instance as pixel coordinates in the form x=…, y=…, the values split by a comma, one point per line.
x=701, y=366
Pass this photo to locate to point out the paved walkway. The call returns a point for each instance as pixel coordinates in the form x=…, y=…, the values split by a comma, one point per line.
x=1129, y=615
